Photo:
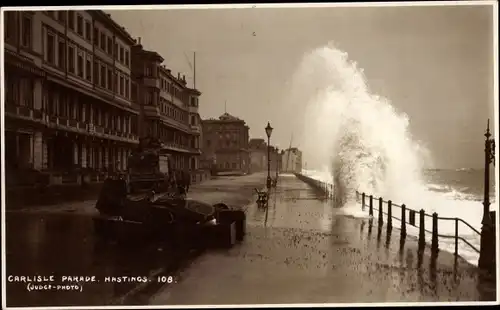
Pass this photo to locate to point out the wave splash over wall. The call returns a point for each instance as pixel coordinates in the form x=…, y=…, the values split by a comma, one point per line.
x=362, y=139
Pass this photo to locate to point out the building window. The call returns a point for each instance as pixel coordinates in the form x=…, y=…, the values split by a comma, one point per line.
x=148, y=70
x=115, y=84
x=71, y=108
x=121, y=55
x=96, y=72
x=61, y=16
x=88, y=34
x=103, y=41
x=71, y=59
x=88, y=70
x=96, y=36
x=103, y=76
x=116, y=50
x=79, y=25
x=27, y=28
x=110, y=46
x=110, y=79
x=9, y=30
x=50, y=48
x=149, y=98
x=61, y=50
x=126, y=59
x=122, y=86
x=11, y=91
x=134, y=91
x=80, y=65
x=71, y=20
x=127, y=94
x=26, y=86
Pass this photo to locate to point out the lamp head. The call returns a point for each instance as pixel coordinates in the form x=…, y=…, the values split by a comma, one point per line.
x=269, y=130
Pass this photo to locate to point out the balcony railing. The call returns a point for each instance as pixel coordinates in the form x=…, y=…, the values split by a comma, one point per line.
x=25, y=112
x=102, y=131
x=60, y=122
x=195, y=128
x=178, y=146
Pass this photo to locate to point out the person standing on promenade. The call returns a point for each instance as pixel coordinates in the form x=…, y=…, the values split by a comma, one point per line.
x=187, y=180
x=173, y=181
x=180, y=183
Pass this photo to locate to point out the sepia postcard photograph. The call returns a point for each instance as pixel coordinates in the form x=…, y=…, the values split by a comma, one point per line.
x=250, y=155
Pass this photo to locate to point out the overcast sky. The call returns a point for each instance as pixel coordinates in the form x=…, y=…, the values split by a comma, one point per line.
x=434, y=63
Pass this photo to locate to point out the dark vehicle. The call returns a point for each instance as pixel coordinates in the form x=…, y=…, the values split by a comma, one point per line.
x=148, y=168
x=165, y=218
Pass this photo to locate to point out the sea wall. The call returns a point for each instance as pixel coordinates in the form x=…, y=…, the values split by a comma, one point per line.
x=324, y=187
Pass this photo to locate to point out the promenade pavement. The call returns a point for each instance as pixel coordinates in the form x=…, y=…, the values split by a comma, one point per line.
x=59, y=240
x=309, y=252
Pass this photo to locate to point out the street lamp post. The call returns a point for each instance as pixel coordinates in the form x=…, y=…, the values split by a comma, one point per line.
x=277, y=166
x=269, y=131
x=487, y=251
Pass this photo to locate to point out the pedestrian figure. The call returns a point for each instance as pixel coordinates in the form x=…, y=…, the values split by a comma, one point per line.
x=180, y=182
x=173, y=181
x=187, y=180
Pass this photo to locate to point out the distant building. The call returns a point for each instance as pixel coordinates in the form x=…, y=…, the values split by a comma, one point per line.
x=169, y=109
x=259, y=159
x=291, y=160
x=258, y=155
x=275, y=156
x=225, y=143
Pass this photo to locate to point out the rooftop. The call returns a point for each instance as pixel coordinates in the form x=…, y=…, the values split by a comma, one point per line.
x=106, y=18
x=226, y=117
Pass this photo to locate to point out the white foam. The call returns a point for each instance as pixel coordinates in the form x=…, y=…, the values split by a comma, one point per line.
x=444, y=205
x=359, y=142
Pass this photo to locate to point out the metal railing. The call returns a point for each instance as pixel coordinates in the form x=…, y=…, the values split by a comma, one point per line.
x=324, y=187
x=412, y=221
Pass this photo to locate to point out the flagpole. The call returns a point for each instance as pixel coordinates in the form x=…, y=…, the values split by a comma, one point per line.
x=194, y=70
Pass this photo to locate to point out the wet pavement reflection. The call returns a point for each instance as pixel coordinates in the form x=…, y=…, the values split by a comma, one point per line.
x=64, y=244
x=307, y=251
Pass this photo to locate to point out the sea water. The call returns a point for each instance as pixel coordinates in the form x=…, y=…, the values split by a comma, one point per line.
x=364, y=144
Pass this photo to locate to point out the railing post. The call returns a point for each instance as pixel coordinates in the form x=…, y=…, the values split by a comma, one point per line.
x=363, y=201
x=380, y=214
x=421, y=234
x=389, y=214
x=371, y=205
x=456, y=236
x=435, y=245
x=403, y=221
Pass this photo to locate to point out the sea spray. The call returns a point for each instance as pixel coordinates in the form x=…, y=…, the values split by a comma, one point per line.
x=363, y=138
x=365, y=145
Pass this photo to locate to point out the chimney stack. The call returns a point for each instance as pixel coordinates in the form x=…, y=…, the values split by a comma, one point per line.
x=178, y=75
x=184, y=78
x=139, y=39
